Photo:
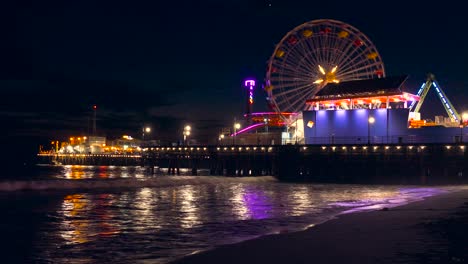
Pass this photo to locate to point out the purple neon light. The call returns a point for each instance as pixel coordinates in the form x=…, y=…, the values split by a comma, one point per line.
x=249, y=83
x=248, y=128
x=270, y=113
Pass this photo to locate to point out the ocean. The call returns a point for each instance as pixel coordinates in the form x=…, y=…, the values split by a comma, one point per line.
x=108, y=214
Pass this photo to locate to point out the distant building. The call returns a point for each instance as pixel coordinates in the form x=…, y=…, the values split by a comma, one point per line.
x=125, y=144
x=95, y=145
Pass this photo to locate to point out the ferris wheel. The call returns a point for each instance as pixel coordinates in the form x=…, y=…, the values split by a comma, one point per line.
x=314, y=54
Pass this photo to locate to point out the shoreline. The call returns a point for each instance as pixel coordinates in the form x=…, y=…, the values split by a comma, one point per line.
x=432, y=230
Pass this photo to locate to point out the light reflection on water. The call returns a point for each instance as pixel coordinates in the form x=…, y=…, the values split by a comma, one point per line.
x=165, y=217
x=79, y=172
x=74, y=229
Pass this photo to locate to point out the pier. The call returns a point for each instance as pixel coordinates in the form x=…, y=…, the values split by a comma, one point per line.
x=341, y=163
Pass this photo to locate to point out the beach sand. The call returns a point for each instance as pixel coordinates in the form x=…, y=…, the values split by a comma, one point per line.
x=434, y=230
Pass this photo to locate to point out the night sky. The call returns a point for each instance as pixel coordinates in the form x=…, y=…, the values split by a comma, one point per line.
x=169, y=63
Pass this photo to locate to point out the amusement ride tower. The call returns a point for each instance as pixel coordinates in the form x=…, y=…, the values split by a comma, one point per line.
x=249, y=85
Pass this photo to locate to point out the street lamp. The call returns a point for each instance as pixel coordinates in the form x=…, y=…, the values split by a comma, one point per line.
x=266, y=120
x=186, y=133
x=146, y=130
x=221, y=137
x=236, y=127
x=371, y=121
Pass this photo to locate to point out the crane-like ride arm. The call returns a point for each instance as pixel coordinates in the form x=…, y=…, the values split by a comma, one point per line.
x=431, y=81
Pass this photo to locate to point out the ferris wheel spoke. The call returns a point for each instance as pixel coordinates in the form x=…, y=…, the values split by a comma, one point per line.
x=291, y=61
x=297, y=70
x=297, y=57
x=356, y=76
x=359, y=68
x=299, y=103
x=291, y=80
x=324, y=46
x=365, y=67
x=313, y=46
x=291, y=71
x=312, y=55
x=281, y=81
x=353, y=66
x=321, y=55
x=308, y=60
x=360, y=55
x=291, y=56
x=296, y=50
x=345, y=51
x=309, y=56
x=340, y=44
x=363, y=61
x=331, y=51
x=290, y=74
x=296, y=89
x=283, y=89
x=305, y=92
x=346, y=57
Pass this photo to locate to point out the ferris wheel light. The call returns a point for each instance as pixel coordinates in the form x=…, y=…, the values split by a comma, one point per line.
x=319, y=81
x=321, y=69
x=334, y=69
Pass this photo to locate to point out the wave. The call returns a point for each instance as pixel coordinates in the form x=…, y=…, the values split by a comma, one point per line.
x=156, y=181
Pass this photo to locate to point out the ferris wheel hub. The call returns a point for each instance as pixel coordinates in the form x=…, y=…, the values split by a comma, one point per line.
x=329, y=77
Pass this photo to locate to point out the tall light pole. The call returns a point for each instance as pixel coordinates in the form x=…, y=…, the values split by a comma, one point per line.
x=464, y=117
x=370, y=121
x=94, y=119
x=236, y=127
x=186, y=133
x=146, y=130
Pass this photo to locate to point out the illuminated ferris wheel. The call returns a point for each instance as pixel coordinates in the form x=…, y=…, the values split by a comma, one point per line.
x=314, y=54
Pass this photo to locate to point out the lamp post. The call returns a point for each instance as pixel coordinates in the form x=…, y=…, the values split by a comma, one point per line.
x=370, y=121
x=464, y=117
x=146, y=130
x=266, y=120
x=186, y=133
x=221, y=137
x=236, y=127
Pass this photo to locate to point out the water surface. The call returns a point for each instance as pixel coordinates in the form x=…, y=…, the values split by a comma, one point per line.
x=101, y=214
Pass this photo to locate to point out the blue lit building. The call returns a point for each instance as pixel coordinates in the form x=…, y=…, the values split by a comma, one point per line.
x=369, y=111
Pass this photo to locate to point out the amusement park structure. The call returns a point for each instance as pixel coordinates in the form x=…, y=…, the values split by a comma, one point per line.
x=325, y=80
x=454, y=117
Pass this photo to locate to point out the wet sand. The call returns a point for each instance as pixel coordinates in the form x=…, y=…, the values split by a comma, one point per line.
x=434, y=230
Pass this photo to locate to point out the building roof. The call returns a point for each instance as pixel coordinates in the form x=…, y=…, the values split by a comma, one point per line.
x=361, y=88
